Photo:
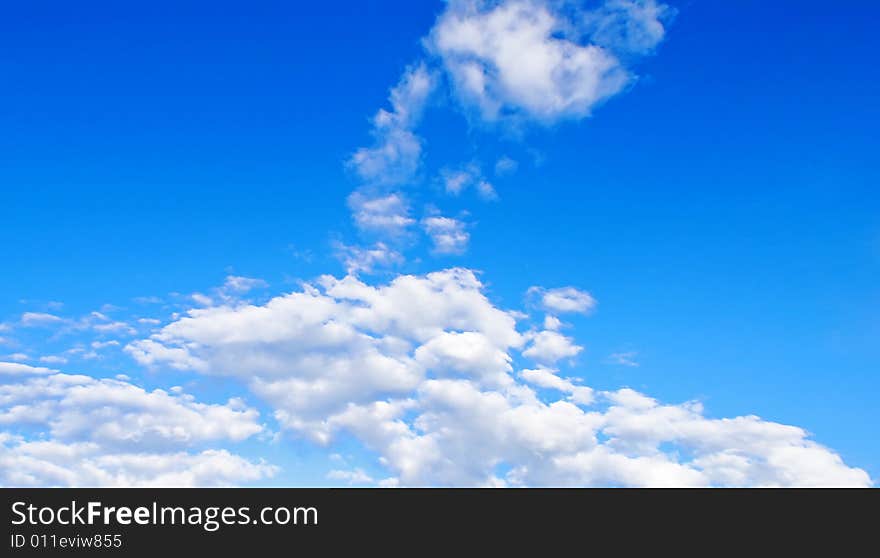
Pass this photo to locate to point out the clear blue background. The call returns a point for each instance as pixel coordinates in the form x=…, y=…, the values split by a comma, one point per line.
x=724, y=211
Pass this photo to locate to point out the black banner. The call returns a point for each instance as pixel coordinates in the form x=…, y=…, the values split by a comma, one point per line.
x=287, y=522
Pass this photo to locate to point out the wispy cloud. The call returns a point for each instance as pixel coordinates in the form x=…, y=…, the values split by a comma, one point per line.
x=627, y=358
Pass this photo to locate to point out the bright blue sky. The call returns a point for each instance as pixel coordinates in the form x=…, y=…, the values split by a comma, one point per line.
x=723, y=210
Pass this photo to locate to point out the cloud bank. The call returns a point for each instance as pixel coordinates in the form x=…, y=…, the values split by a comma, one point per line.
x=421, y=371
x=103, y=432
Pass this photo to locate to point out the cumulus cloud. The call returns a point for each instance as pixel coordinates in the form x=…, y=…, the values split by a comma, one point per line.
x=337, y=343
x=113, y=412
x=102, y=432
x=550, y=346
x=149, y=353
x=470, y=354
x=420, y=371
x=519, y=58
x=465, y=436
x=448, y=235
x=79, y=465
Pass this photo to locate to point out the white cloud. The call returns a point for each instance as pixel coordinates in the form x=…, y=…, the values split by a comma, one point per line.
x=395, y=157
x=464, y=437
x=550, y=346
x=18, y=357
x=104, y=324
x=40, y=319
x=357, y=259
x=115, y=327
x=202, y=299
x=552, y=323
x=448, y=235
x=514, y=58
x=112, y=412
x=737, y=451
x=469, y=353
x=238, y=284
x=419, y=370
x=456, y=181
x=537, y=59
x=100, y=432
x=79, y=465
x=95, y=321
x=150, y=353
x=546, y=378
x=15, y=368
x=231, y=292
x=387, y=214
x=338, y=343
x=351, y=478
x=91, y=432
x=564, y=300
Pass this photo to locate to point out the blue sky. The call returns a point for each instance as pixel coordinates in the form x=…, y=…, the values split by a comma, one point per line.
x=720, y=206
